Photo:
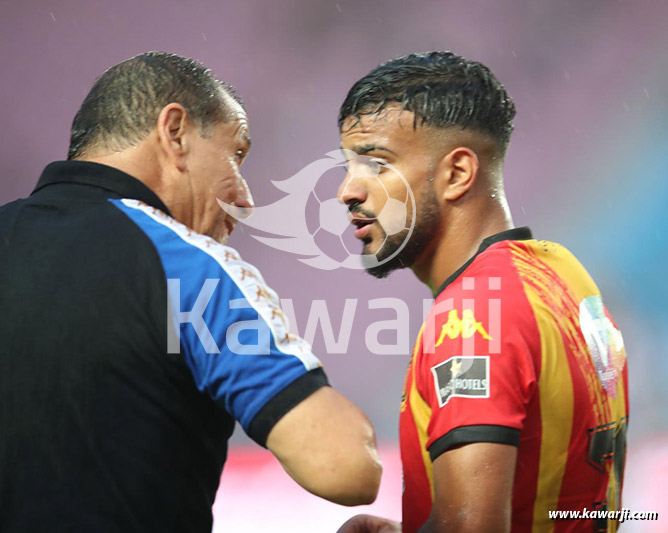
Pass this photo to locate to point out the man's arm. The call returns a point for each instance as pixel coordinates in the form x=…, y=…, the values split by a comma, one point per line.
x=473, y=487
x=328, y=446
x=364, y=523
x=269, y=380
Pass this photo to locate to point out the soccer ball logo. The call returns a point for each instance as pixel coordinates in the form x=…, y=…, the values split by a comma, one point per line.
x=311, y=221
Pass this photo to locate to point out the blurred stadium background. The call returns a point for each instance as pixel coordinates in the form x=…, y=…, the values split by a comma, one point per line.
x=587, y=167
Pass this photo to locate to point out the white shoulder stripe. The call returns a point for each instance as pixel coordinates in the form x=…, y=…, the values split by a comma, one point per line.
x=246, y=277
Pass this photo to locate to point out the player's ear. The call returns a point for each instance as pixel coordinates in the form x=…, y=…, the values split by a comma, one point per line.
x=459, y=169
x=172, y=128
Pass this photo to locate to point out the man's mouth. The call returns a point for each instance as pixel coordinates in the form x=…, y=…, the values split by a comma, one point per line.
x=363, y=225
x=229, y=225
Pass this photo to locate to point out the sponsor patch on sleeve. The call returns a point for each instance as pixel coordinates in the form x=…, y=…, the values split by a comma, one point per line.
x=462, y=376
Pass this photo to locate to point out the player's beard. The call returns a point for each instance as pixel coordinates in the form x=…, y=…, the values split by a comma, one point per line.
x=427, y=221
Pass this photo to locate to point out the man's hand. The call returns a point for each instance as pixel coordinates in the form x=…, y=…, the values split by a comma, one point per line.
x=364, y=523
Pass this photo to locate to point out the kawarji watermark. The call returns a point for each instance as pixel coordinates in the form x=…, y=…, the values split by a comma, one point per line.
x=443, y=320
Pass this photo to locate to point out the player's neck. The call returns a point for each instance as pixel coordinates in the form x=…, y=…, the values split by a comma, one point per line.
x=460, y=241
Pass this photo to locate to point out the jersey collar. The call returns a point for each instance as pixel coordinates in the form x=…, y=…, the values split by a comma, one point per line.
x=514, y=234
x=101, y=176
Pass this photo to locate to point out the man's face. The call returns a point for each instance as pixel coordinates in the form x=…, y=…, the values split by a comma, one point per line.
x=214, y=171
x=387, y=156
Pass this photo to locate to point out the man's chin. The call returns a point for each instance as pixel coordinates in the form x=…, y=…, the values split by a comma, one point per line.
x=383, y=269
x=220, y=236
x=368, y=248
x=223, y=231
x=382, y=260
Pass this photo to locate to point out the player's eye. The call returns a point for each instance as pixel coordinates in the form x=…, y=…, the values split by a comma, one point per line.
x=240, y=154
x=365, y=166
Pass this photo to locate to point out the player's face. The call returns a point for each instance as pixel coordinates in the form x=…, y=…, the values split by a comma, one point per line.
x=387, y=157
x=214, y=171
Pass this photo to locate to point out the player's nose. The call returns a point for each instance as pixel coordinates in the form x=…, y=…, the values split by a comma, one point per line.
x=352, y=190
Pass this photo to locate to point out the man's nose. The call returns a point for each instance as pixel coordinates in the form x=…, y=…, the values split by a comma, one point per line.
x=352, y=190
x=244, y=198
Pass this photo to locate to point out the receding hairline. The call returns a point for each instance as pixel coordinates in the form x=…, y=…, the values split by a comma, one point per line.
x=123, y=104
x=228, y=103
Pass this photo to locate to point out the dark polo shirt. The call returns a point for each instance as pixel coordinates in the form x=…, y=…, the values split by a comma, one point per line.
x=104, y=425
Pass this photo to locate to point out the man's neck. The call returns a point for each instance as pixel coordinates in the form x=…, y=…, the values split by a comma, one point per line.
x=459, y=242
x=141, y=163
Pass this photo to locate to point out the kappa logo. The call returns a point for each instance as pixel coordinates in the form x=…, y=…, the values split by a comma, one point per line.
x=465, y=327
x=463, y=377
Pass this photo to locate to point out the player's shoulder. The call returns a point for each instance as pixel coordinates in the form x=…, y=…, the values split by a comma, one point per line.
x=493, y=270
x=482, y=319
x=485, y=301
x=506, y=264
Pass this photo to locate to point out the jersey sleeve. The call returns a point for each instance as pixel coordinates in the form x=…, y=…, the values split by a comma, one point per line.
x=476, y=368
x=229, y=327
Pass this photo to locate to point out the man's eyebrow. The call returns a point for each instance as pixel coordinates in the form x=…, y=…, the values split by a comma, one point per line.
x=366, y=148
x=247, y=139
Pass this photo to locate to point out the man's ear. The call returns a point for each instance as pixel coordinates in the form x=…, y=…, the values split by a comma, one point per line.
x=460, y=170
x=172, y=126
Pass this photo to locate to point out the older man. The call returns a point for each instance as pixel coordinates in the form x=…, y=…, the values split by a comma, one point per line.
x=133, y=338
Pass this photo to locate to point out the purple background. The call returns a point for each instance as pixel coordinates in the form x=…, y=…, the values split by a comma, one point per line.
x=587, y=165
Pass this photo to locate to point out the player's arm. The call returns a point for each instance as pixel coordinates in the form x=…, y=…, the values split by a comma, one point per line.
x=473, y=486
x=328, y=446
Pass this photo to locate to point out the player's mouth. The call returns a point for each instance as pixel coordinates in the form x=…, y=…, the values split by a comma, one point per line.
x=363, y=225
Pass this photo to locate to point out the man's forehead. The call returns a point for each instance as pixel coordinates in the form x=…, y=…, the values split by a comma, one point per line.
x=236, y=109
x=237, y=118
x=232, y=107
x=241, y=131
x=390, y=118
x=234, y=130
x=390, y=124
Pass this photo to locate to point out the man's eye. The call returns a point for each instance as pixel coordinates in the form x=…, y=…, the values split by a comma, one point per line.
x=376, y=165
x=240, y=154
x=365, y=165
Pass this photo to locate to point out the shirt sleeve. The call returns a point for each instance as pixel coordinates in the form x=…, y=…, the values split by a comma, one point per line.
x=238, y=347
x=476, y=368
x=229, y=326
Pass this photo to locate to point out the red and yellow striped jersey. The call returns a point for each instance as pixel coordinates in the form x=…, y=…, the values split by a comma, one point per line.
x=519, y=349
